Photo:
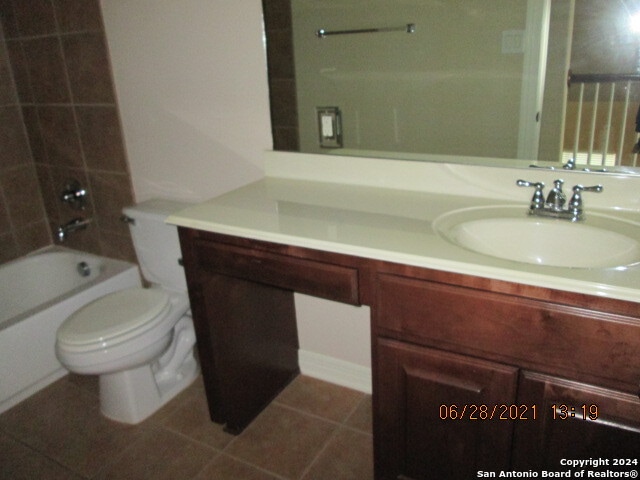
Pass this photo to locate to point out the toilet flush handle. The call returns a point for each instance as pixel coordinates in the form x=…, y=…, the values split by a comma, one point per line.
x=127, y=219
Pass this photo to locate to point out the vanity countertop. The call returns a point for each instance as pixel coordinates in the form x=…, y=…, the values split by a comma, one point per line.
x=381, y=221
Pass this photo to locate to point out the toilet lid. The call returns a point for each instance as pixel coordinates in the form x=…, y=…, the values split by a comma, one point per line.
x=113, y=315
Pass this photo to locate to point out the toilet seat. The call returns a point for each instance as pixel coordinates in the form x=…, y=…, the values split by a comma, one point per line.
x=114, y=318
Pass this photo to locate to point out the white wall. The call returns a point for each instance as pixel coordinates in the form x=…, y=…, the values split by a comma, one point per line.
x=191, y=82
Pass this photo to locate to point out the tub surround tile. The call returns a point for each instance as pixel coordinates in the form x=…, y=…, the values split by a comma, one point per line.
x=101, y=138
x=111, y=193
x=116, y=245
x=34, y=17
x=14, y=147
x=34, y=134
x=88, y=68
x=20, y=186
x=9, y=250
x=78, y=15
x=34, y=237
x=60, y=136
x=20, y=70
x=60, y=84
x=45, y=66
x=8, y=94
x=8, y=19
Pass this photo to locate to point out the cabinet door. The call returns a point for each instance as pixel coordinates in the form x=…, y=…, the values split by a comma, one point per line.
x=575, y=420
x=433, y=413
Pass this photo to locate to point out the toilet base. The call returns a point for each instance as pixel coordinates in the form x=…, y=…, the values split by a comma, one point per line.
x=131, y=396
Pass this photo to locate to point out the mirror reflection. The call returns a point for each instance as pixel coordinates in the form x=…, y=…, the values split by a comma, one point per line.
x=471, y=79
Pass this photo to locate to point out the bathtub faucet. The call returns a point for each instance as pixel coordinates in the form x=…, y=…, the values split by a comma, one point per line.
x=71, y=226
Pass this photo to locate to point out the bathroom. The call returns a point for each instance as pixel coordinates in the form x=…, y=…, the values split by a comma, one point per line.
x=198, y=118
x=195, y=126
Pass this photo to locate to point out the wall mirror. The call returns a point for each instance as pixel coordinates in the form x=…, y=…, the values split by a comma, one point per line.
x=480, y=81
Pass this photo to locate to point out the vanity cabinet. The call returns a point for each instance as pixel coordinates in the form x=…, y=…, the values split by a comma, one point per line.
x=469, y=374
x=241, y=294
x=576, y=420
x=428, y=412
x=470, y=379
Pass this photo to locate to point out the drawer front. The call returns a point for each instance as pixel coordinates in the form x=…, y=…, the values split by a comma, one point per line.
x=545, y=336
x=324, y=280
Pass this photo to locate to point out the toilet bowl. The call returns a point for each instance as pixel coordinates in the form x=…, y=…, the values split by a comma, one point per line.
x=139, y=341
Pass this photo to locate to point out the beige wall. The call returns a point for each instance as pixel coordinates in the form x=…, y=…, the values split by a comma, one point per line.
x=191, y=81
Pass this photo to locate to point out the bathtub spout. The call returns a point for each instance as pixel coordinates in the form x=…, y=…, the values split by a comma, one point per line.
x=71, y=226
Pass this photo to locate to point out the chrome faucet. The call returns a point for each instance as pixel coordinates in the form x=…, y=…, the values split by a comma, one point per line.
x=553, y=205
x=71, y=226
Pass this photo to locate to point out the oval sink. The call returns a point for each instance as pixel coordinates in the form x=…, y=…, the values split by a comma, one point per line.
x=509, y=233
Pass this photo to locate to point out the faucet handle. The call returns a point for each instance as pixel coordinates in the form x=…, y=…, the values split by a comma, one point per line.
x=556, y=198
x=575, y=204
x=537, y=201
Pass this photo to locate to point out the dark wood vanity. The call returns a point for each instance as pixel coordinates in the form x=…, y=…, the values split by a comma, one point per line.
x=469, y=374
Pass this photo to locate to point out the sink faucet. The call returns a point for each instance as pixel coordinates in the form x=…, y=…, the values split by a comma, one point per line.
x=553, y=205
x=71, y=226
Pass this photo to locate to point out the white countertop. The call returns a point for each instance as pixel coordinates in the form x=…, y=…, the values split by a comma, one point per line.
x=380, y=221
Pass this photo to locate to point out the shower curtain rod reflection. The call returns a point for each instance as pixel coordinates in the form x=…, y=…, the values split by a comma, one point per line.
x=408, y=28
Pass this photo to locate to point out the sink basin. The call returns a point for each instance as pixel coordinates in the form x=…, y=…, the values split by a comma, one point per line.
x=600, y=241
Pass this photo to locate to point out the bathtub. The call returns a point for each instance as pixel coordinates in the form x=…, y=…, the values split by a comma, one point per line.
x=37, y=293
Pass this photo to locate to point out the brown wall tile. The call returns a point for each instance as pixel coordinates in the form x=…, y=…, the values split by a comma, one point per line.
x=60, y=123
x=21, y=189
x=34, y=17
x=45, y=65
x=60, y=136
x=78, y=15
x=88, y=68
x=14, y=148
x=101, y=138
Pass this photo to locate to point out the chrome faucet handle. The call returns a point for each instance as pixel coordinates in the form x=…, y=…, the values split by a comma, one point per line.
x=570, y=165
x=576, y=204
x=556, y=198
x=537, y=201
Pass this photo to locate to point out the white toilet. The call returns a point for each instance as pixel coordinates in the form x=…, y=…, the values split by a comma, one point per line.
x=139, y=341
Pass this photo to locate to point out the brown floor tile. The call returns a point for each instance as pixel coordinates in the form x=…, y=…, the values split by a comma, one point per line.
x=282, y=441
x=362, y=417
x=60, y=434
x=192, y=420
x=320, y=398
x=159, y=455
x=226, y=468
x=348, y=456
x=22, y=463
x=63, y=422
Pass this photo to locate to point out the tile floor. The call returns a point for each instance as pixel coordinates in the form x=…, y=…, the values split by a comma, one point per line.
x=313, y=430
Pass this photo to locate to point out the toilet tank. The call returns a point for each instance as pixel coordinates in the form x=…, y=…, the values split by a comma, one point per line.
x=156, y=243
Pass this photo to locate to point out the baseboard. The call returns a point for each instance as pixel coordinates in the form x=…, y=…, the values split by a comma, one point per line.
x=335, y=371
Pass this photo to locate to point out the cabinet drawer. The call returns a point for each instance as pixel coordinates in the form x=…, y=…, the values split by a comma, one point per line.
x=325, y=280
x=545, y=336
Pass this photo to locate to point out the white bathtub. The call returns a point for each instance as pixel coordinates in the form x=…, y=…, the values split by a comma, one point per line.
x=37, y=293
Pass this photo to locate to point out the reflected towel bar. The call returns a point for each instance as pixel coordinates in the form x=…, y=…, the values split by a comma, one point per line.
x=408, y=28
